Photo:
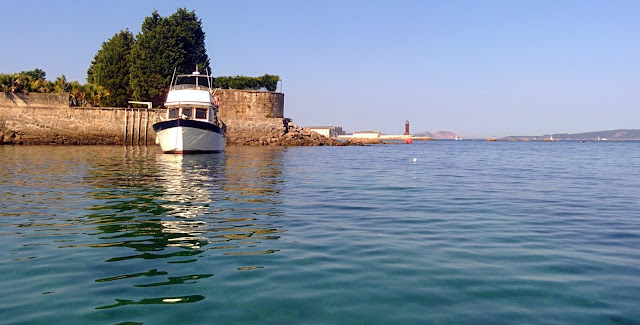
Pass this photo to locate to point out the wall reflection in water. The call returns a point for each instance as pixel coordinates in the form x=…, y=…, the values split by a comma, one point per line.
x=191, y=209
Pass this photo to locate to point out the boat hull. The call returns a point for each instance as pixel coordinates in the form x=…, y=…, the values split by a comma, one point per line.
x=188, y=136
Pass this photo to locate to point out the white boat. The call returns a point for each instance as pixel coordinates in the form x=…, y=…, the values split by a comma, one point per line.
x=191, y=124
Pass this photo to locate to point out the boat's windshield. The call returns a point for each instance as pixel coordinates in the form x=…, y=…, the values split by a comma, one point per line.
x=188, y=113
x=192, y=82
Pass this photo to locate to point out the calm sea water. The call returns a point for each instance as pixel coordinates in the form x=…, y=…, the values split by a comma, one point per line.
x=436, y=232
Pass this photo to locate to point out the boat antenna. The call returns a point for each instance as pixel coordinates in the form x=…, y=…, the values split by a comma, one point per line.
x=172, y=76
x=208, y=77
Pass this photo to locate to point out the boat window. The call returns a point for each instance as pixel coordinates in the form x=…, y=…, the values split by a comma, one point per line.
x=187, y=113
x=201, y=113
x=173, y=113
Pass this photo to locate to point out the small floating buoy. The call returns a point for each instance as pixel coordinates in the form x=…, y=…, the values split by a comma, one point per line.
x=408, y=141
x=415, y=160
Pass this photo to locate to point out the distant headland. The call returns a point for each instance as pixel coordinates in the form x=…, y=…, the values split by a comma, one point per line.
x=438, y=135
x=615, y=135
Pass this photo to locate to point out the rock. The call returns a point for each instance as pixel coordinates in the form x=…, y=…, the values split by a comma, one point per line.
x=302, y=137
x=8, y=137
x=365, y=141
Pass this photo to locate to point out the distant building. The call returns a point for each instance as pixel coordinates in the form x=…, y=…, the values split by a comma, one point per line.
x=367, y=134
x=327, y=131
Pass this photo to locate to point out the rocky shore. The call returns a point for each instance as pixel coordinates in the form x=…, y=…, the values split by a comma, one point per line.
x=297, y=136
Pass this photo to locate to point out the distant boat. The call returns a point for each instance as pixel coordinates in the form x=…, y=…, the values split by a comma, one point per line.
x=457, y=138
x=191, y=124
x=492, y=139
x=550, y=138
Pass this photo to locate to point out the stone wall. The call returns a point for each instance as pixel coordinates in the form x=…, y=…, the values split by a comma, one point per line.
x=250, y=104
x=48, y=119
x=47, y=125
x=251, y=116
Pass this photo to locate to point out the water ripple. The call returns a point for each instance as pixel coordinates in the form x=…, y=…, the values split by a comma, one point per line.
x=470, y=232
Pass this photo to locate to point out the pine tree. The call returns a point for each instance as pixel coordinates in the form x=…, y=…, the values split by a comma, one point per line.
x=189, y=40
x=111, y=68
x=163, y=44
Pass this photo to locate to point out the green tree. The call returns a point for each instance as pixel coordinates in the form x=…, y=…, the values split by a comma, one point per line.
x=267, y=81
x=148, y=75
x=6, y=82
x=39, y=85
x=25, y=82
x=60, y=85
x=189, y=41
x=163, y=44
x=35, y=73
x=111, y=67
x=22, y=83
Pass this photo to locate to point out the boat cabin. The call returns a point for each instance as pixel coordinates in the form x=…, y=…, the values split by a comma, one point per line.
x=205, y=114
x=190, y=98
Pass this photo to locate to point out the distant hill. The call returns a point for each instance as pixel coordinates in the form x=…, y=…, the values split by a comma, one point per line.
x=437, y=135
x=631, y=134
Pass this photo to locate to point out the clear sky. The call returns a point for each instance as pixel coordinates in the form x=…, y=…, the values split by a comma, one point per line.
x=477, y=67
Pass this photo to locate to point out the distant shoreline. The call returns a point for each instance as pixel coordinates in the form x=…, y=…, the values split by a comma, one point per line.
x=608, y=135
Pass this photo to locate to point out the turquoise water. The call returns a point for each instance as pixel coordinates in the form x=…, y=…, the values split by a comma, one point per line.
x=436, y=232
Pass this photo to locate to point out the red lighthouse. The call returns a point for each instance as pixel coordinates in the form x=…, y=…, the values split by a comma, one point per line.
x=406, y=127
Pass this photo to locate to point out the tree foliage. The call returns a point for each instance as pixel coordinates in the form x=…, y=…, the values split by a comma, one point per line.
x=268, y=82
x=27, y=82
x=163, y=44
x=110, y=69
x=35, y=73
x=140, y=67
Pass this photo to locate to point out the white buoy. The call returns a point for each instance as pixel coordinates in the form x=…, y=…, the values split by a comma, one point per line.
x=415, y=160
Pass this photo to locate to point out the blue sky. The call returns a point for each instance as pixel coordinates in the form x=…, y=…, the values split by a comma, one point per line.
x=477, y=68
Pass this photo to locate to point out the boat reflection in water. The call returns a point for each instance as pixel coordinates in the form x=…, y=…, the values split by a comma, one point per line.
x=189, y=183
x=212, y=198
x=164, y=221
x=152, y=202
